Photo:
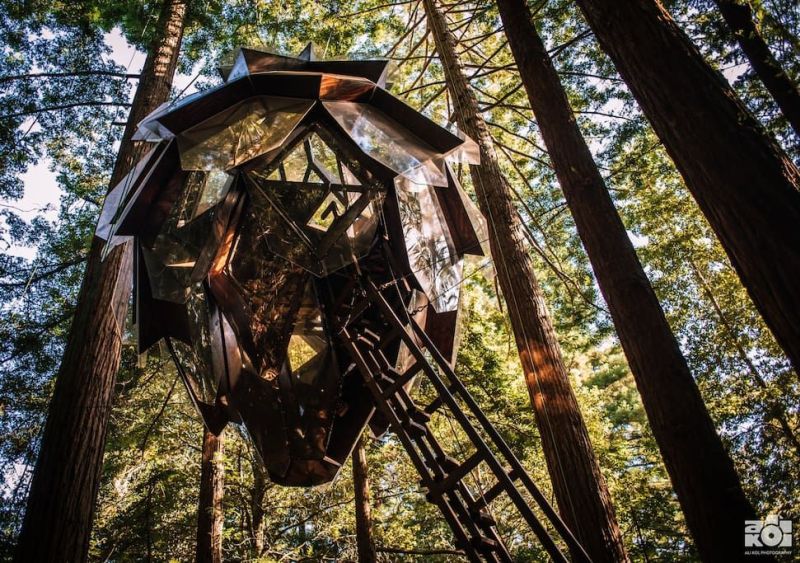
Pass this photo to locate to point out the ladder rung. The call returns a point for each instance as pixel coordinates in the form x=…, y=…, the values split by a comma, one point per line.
x=388, y=338
x=358, y=309
x=455, y=475
x=388, y=375
x=407, y=376
x=438, y=402
x=369, y=338
x=418, y=415
x=483, y=518
x=484, y=544
x=415, y=429
x=493, y=492
x=448, y=463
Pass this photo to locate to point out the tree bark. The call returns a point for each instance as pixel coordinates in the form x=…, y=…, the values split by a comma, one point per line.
x=257, y=505
x=701, y=471
x=739, y=17
x=743, y=182
x=364, y=538
x=582, y=495
x=65, y=482
x=209, y=510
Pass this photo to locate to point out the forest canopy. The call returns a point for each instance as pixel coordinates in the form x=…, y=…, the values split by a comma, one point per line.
x=631, y=251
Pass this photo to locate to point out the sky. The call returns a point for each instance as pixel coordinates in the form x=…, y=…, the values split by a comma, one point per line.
x=41, y=189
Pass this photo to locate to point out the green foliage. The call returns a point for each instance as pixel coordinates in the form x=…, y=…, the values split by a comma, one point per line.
x=147, y=504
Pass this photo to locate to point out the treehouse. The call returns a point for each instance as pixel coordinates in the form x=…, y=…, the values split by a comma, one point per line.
x=299, y=238
x=259, y=201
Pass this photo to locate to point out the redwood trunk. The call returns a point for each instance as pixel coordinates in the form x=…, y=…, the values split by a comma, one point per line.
x=65, y=482
x=258, y=493
x=364, y=539
x=581, y=492
x=209, y=509
x=739, y=17
x=701, y=471
x=744, y=184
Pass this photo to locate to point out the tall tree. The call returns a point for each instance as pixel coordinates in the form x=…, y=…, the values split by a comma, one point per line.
x=209, y=509
x=701, y=471
x=583, y=498
x=746, y=186
x=364, y=537
x=739, y=17
x=66, y=478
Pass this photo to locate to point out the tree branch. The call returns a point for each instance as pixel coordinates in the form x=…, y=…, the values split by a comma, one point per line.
x=64, y=106
x=10, y=78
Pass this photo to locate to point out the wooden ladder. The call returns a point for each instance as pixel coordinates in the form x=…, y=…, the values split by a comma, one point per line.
x=443, y=477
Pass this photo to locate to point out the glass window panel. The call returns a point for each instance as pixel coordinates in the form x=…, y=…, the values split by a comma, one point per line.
x=195, y=359
x=300, y=352
x=330, y=209
x=268, y=222
x=166, y=283
x=241, y=132
x=475, y=216
x=389, y=142
x=295, y=164
x=325, y=158
x=348, y=177
x=217, y=185
x=467, y=153
x=317, y=226
x=188, y=233
x=239, y=68
x=430, y=255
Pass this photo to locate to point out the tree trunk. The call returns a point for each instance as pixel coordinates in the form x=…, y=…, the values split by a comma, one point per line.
x=739, y=18
x=701, y=471
x=364, y=539
x=581, y=492
x=744, y=184
x=65, y=482
x=209, y=510
x=257, y=505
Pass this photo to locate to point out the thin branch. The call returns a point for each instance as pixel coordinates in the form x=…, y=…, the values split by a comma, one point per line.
x=64, y=106
x=556, y=51
x=10, y=78
x=374, y=8
x=158, y=416
x=46, y=274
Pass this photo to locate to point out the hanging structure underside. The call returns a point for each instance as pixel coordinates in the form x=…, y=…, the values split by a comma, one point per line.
x=299, y=241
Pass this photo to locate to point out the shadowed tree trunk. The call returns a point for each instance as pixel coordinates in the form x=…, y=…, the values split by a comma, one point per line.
x=258, y=493
x=744, y=184
x=739, y=17
x=364, y=539
x=581, y=492
x=701, y=471
x=209, y=509
x=65, y=482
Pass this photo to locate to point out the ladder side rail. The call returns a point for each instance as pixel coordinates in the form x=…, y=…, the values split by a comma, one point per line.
x=452, y=481
x=433, y=456
x=516, y=466
x=500, y=472
x=461, y=537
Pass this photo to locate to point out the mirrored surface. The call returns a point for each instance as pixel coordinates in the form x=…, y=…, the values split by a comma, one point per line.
x=389, y=142
x=243, y=131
